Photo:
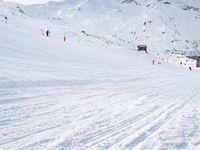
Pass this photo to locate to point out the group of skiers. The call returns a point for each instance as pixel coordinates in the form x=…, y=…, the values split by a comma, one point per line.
x=47, y=33
x=153, y=63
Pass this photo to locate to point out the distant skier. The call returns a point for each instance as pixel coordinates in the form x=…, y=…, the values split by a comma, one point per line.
x=65, y=39
x=153, y=62
x=47, y=33
x=190, y=68
x=6, y=19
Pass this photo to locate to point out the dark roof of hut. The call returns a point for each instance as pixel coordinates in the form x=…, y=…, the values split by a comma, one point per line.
x=142, y=46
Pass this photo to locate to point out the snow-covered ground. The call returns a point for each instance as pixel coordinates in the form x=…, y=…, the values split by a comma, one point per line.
x=162, y=25
x=85, y=94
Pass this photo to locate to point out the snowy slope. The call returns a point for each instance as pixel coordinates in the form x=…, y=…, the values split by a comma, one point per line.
x=162, y=25
x=84, y=94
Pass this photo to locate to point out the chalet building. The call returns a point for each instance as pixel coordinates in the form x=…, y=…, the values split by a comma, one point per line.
x=197, y=58
x=185, y=59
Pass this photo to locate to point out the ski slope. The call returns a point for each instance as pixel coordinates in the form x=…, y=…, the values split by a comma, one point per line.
x=162, y=25
x=87, y=95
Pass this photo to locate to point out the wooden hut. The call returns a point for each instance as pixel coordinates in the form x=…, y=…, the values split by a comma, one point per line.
x=142, y=48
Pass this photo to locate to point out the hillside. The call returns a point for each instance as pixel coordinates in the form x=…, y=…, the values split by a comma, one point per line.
x=94, y=92
x=162, y=25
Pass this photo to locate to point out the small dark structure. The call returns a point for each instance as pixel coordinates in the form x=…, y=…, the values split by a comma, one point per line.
x=142, y=48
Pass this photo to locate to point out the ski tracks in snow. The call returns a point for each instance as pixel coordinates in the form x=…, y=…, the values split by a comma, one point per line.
x=102, y=118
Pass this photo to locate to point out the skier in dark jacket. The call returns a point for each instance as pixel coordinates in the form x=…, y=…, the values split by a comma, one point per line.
x=190, y=68
x=6, y=19
x=153, y=62
x=47, y=33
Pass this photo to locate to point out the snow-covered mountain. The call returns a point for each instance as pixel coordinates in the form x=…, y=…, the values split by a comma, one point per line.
x=93, y=91
x=160, y=24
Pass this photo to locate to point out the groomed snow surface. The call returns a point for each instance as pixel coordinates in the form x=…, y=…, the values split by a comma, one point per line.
x=88, y=96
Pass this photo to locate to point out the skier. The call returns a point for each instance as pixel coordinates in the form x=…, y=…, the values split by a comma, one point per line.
x=6, y=19
x=65, y=39
x=47, y=33
x=153, y=62
x=190, y=68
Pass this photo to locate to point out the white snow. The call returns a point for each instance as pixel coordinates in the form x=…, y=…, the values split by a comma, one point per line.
x=87, y=93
